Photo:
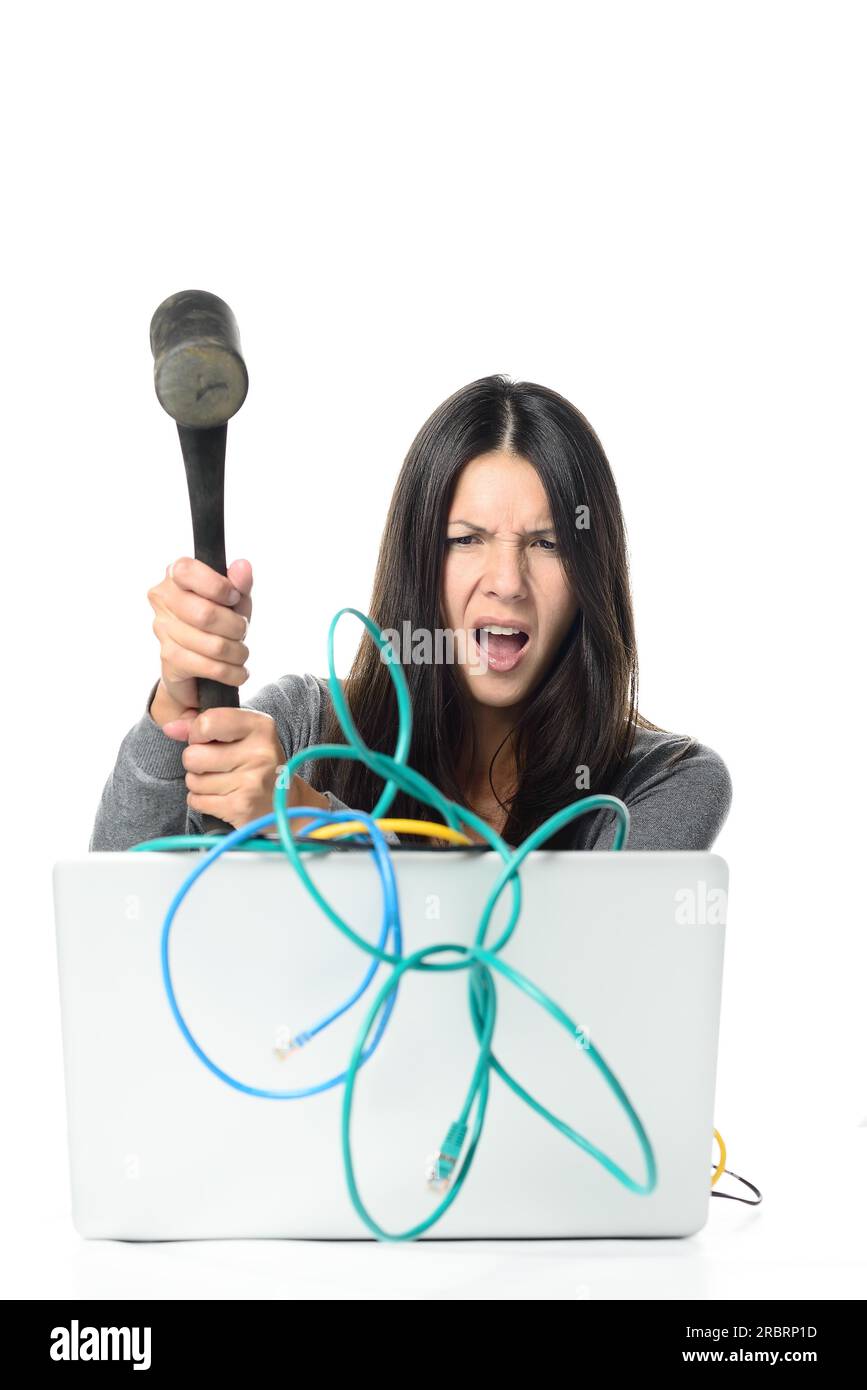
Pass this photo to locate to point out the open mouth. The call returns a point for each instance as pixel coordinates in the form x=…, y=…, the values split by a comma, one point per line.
x=500, y=649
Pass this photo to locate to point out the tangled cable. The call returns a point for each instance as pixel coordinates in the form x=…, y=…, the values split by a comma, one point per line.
x=482, y=961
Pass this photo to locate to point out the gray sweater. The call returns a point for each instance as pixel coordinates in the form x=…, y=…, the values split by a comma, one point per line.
x=677, y=807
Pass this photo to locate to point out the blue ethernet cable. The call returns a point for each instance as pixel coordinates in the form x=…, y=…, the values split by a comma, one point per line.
x=390, y=925
x=482, y=962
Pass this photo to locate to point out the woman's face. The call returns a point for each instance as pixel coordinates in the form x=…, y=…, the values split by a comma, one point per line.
x=502, y=568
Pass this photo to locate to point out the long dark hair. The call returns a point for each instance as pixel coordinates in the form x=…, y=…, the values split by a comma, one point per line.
x=584, y=711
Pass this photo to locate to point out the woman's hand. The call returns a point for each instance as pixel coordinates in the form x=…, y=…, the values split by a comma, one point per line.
x=200, y=622
x=232, y=759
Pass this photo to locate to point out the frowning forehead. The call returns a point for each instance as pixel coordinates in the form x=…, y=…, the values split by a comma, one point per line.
x=477, y=528
x=499, y=493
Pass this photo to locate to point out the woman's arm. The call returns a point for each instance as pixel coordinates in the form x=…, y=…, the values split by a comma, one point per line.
x=145, y=795
x=683, y=806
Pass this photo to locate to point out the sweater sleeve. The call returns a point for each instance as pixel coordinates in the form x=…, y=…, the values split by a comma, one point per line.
x=680, y=805
x=145, y=794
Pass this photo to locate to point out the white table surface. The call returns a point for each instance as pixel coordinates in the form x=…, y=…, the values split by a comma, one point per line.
x=808, y=1240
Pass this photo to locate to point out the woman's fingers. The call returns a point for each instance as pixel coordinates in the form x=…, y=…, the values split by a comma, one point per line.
x=201, y=635
x=232, y=761
x=215, y=646
x=198, y=578
x=212, y=783
x=180, y=664
x=207, y=758
x=201, y=613
x=184, y=653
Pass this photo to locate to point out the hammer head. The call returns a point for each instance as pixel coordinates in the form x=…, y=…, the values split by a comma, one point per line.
x=199, y=373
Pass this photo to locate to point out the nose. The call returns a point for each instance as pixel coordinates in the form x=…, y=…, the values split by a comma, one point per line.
x=505, y=571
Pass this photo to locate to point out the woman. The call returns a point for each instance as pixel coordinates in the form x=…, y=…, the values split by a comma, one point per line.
x=504, y=560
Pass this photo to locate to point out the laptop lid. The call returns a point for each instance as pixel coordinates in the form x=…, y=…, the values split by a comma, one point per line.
x=630, y=945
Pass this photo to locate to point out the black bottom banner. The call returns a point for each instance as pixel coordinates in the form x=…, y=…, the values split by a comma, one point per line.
x=161, y=1338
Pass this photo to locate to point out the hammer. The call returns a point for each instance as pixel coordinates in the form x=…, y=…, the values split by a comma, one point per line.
x=201, y=381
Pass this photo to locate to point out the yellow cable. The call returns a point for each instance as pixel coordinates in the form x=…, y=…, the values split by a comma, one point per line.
x=722, y=1159
x=431, y=828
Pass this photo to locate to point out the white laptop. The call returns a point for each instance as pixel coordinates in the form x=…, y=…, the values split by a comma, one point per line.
x=629, y=944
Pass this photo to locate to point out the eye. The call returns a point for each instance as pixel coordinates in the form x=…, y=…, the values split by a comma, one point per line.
x=463, y=542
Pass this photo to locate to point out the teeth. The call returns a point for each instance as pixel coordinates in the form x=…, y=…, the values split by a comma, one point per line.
x=503, y=631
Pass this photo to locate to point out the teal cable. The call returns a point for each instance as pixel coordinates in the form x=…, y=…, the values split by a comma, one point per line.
x=481, y=961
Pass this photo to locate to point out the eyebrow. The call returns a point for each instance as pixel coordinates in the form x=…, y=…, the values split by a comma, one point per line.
x=542, y=530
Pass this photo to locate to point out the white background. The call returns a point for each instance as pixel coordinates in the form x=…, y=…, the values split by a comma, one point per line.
x=655, y=209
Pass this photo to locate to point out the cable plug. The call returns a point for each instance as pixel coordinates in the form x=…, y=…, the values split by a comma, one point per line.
x=440, y=1166
x=285, y=1043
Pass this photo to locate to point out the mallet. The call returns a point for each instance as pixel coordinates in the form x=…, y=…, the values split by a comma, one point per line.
x=201, y=381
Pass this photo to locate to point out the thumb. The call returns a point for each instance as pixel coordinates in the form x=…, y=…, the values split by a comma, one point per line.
x=180, y=728
x=241, y=574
